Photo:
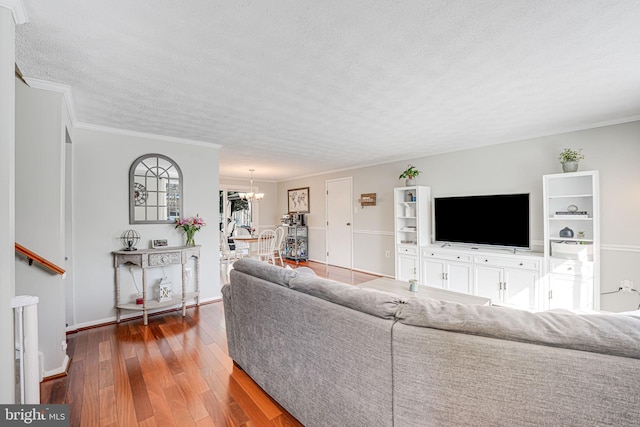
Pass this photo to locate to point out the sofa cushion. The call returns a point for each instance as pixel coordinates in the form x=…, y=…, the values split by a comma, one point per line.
x=370, y=301
x=615, y=334
x=269, y=272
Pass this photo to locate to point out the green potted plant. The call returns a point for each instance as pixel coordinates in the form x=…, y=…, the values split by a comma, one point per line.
x=570, y=159
x=410, y=174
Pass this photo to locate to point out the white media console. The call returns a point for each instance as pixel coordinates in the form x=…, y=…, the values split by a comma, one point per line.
x=505, y=277
x=565, y=275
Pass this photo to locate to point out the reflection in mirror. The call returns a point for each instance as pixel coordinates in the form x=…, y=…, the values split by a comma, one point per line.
x=155, y=190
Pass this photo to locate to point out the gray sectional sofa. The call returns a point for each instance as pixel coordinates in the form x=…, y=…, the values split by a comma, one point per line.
x=337, y=355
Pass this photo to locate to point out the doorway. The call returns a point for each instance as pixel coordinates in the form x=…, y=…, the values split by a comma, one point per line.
x=339, y=235
x=237, y=216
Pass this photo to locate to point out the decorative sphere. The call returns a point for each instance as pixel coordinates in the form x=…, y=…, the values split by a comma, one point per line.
x=129, y=240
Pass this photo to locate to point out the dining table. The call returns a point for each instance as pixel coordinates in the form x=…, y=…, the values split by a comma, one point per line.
x=251, y=240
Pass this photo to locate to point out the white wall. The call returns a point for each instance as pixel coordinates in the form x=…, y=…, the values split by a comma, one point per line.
x=7, y=202
x=504, y=168
x=101, y=215
x=40, y=213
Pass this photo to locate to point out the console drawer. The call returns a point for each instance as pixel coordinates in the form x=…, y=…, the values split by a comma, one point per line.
x=525, y=264
x=165, y=258
x=407, y=250
x=448, y=257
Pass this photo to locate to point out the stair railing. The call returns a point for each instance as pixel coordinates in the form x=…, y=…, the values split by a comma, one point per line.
x=32, y=256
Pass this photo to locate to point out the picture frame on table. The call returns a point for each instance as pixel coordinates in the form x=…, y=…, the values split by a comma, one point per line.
x=298, y=200
x=159, y=243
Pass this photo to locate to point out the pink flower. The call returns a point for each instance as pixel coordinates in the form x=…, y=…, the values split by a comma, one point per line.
x=190, y=225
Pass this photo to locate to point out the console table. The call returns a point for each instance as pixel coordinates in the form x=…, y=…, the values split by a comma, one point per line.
x=150, y=258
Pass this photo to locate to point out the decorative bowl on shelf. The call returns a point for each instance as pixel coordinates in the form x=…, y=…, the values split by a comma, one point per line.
x=566, y=232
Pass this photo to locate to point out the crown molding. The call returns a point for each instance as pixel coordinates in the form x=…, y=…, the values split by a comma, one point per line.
x=56, y=87
x=244, y=178
x=17, y=10
x=124, y=132
x=68, y=99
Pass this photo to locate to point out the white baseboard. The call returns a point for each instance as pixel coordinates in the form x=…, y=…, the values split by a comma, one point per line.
x=133, y=314
x=60, y=370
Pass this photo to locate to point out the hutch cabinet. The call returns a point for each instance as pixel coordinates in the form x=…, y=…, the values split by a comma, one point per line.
x=412, y=222
x=572, y=240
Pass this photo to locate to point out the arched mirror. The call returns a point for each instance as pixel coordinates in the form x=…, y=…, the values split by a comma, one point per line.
x=155, y=190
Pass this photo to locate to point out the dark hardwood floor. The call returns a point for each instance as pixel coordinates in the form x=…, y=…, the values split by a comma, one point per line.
x=174, y=372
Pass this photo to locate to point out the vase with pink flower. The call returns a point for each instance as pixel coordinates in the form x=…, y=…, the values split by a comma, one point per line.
x=190, y=226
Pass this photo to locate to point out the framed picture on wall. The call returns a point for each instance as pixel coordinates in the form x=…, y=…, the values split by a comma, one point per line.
x=298, y=200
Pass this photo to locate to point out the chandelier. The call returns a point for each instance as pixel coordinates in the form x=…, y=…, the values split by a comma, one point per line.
x=251, y=196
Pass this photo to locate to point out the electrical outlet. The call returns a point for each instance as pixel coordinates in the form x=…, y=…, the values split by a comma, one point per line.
x=387, y=254
x=626, y=285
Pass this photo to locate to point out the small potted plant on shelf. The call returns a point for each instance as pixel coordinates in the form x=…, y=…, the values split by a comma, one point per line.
x=570, y=158
x=410, y=175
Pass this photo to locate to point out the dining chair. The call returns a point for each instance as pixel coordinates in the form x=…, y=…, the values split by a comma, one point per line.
x=227, y=256
x=226, y=252
x=243, y=248
x=280, y=232
x=266, y=246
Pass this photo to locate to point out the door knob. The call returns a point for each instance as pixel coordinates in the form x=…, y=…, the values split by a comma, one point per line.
x=348, y=223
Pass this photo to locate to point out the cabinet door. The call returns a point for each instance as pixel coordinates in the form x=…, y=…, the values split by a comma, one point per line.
x=520, y=288
x=407, y=267
x=433, y=271
x=458, y=277
x=488, y=282
x=572, y=292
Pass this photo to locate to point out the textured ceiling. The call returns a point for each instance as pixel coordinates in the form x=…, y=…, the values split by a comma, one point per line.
x=297, y=87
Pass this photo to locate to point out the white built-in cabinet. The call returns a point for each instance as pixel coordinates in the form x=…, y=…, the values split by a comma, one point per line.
x=506, y=278
x=511, y=279
x=447, y=270
x=412, y=223
x=572, y=262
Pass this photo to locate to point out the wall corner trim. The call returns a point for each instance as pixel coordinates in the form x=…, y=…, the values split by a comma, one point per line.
x=56, y=87
x=18, y=10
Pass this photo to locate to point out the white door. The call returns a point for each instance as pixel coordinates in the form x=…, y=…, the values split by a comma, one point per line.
x=69, y=289
x=339, y=220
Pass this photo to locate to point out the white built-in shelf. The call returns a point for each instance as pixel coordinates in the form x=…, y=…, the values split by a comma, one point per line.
x=412, y=226
x=576, y=286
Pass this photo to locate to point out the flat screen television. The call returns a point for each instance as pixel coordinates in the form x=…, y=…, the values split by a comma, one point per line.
x=494, y=220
